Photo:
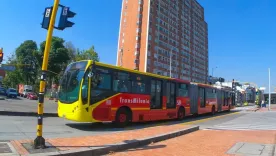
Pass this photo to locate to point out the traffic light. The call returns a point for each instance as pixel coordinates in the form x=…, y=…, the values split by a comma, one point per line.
x=233, y=85
x=46, y=17
x=221, y=79
x=63, y=21
x=1, y=55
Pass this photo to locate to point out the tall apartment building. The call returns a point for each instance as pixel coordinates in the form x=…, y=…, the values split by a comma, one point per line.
x=166, y=37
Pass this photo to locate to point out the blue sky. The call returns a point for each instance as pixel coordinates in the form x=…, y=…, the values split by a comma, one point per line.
x=241, y=32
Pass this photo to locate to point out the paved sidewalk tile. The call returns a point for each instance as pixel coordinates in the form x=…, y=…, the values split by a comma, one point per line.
x=265, y=109
x=206, y=143
x=101, y=140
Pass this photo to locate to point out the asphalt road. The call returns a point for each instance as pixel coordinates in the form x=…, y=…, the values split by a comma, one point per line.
x=15, y=127
x=22, y=127
x=26, y=105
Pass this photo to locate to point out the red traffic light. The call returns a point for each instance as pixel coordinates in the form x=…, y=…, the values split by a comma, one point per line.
x=1, y=55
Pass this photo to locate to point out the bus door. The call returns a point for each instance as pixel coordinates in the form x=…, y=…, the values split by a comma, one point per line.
x=219, y=99
x=233, y=99
x=202, y=100
x=171, y=100
x=170, y=96
x=225, y=101
x=193, y=95
x=156, y=100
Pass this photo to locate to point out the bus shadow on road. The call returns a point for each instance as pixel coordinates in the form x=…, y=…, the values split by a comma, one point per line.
x=108, y=126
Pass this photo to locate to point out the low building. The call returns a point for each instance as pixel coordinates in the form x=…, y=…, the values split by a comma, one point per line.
x=273, y=97
x=2, y=75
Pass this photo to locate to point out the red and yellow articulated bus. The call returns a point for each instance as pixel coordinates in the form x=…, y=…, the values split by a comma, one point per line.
x=97, y=92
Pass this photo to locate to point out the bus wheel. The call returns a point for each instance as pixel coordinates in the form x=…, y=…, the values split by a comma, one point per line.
x=181, y=113
x=213, y=110
x=122, y=118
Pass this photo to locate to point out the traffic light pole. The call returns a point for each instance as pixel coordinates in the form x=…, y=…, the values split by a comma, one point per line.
x=39, y=142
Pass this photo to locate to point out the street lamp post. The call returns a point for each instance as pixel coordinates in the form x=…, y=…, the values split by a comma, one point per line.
x=269, y=96
x=213, y=71
x=171, y=63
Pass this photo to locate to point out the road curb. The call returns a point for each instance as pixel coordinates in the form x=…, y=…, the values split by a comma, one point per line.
x=257, y=109
x=106, y=149
x=253, y=110
x=12, y=113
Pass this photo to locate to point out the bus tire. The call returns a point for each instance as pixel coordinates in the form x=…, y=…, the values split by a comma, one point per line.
x=181, y=113
x=213, y=110
x=122, y=118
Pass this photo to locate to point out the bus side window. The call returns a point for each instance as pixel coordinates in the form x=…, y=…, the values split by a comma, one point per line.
x=138, y=84
x=84, y=90
x=138, y=87
x=183, y=90
x=121, y=82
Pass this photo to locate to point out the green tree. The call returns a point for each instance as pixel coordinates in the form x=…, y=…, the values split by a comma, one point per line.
x=89, y=54
x=72, y=51
x=13, y=78
x=26, y=61
x=58, y=57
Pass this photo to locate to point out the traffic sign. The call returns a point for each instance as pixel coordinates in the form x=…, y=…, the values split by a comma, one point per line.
x=7, y=68
x=46, y=18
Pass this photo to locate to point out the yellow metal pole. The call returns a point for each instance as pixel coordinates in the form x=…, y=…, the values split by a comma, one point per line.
x=39, y=142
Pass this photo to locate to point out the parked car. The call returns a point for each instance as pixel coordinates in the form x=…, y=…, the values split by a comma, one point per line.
x=32, y=96
x=11, y=92
x=3, y=91
x=26, y=92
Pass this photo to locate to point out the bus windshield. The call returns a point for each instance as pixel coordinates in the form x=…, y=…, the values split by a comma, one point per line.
x=70, y=82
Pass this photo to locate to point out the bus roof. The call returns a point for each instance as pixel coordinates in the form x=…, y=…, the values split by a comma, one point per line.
x=150, y=74
x=130, y=70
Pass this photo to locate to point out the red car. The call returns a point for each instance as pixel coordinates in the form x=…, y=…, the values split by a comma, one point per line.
x=32, y=96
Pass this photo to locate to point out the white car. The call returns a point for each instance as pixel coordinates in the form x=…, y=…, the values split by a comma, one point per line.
x=11, y=92
x=26, y=92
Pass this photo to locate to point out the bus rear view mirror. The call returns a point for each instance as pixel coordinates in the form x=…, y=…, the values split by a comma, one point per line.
x=90, y=74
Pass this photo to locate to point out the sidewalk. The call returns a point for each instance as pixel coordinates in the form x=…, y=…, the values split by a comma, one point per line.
x=212, y=143
x=129, y=139
x=265, y=109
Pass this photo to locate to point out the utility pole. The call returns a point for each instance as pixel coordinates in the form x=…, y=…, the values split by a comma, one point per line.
x=48, y=23
x=171, y=63
x=269, y=96
x=39, y=142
